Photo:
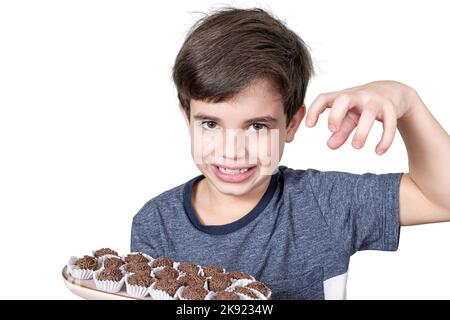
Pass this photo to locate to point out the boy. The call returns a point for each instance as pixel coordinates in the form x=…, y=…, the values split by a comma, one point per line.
x=241, y=77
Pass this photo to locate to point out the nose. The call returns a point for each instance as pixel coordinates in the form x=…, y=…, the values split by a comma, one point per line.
x=234, y=144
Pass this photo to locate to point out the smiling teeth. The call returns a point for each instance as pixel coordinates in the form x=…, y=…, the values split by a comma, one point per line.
x=232, y=171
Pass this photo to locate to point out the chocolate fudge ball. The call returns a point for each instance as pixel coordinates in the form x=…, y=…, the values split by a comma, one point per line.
x=245, y=291
x=188, y=267
x=194, y=293
x=113, y=263
x=192, y=280
x=219, y=282
x=141, y=267
x=225, y=295
x=136, y=258
x=260, y=287
x=211, y=269
x=87, y=262
x=167, y=272
x=110, y=274
x=162, y=262
x=104, y=252
x=169, y=286
x=237, y=275
x=140, y=279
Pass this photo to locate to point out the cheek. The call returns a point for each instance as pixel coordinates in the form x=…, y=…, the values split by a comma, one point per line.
x=264, y=147
x=202, y=145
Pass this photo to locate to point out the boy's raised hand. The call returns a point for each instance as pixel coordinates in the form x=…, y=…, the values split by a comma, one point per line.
x=360, y=106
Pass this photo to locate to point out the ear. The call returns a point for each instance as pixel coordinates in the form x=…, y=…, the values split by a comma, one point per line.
x=183, y=112
x=295, y=123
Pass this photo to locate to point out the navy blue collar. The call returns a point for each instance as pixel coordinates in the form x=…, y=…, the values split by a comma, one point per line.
x=233, y=226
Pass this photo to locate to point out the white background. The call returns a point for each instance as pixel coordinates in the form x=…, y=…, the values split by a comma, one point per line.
x=90, y=129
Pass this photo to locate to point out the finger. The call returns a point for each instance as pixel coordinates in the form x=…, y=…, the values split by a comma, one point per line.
x=339, y=109
x=364, y=126
x=338, y=138
x=318, y=106
x=389, y=130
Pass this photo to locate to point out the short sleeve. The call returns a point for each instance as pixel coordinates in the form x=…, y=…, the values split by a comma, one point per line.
x=145, y=235
x=361, y=210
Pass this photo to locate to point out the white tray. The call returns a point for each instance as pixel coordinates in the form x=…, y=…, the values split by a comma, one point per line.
x=87, y=290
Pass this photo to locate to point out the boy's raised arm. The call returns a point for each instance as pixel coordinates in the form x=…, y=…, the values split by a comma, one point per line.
x=425, y=189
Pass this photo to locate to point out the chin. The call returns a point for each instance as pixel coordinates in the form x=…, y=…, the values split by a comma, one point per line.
x=234, y=190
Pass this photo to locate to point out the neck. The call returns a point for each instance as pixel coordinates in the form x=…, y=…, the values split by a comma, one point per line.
x=216, y=208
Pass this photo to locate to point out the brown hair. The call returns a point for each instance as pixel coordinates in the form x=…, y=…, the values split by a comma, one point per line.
x=226, y=51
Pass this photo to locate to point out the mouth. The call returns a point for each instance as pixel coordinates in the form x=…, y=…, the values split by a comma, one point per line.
x=233, y=174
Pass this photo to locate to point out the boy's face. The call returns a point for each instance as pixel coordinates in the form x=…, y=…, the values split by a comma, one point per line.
x=237, y=144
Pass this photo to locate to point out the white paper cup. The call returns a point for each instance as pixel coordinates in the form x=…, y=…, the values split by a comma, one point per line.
x=77, y=273
x=181, y=290
x=134, y=290
x=108, y=285
x=161, y=295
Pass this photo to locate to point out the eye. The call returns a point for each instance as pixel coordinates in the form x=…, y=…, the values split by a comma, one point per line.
x=209, y=125
x=257, y=126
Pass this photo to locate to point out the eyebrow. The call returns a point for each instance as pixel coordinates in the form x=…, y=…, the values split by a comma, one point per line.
x=264, y=118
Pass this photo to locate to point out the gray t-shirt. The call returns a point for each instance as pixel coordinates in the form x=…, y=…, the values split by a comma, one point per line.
x=298, y=239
